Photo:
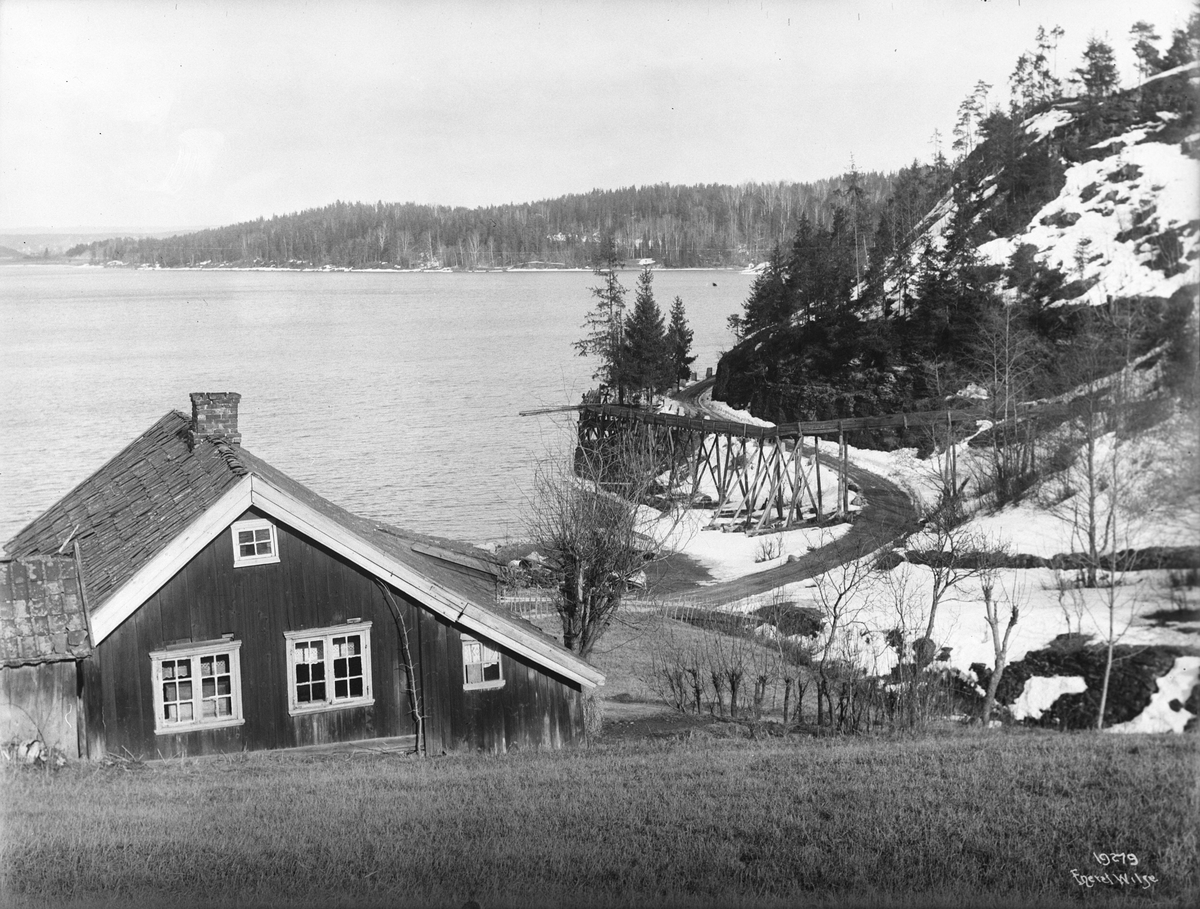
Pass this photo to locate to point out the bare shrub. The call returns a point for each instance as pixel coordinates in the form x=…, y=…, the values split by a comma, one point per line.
x=769, y=548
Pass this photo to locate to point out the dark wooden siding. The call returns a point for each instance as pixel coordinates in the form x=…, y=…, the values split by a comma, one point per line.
x=312, y=587
x=534, y=709
x=41, y=701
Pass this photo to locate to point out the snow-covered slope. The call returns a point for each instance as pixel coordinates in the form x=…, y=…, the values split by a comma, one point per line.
x=1126, y=223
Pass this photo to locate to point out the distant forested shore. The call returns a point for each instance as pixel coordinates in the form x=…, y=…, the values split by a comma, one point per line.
x=701, y=226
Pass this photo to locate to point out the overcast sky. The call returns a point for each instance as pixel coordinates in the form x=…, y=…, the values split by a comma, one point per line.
x=143, y=115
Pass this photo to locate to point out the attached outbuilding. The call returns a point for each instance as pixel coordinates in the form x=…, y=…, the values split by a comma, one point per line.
x=44, y=641
x=231, y=608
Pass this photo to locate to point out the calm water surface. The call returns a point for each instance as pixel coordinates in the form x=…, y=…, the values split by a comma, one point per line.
x=394, y=395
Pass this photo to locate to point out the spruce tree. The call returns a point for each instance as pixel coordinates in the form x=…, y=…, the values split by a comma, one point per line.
x=1149, y=59
x=605, y=323
x=1098, y=74
x=771, y=300
x=679, y=344
x=645, y=340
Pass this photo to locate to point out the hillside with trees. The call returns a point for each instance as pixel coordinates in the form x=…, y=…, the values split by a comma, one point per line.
x=712, y=225
x=1064, y=225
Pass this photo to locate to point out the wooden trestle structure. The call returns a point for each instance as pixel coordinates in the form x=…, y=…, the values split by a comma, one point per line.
x=764, y=478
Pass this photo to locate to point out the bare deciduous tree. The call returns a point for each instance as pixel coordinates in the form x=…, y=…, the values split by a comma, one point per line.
x=589, y=522
x=996, y=593
x=953, y=558
x=1096, y=495
x=1007, y=363
x=842, y=596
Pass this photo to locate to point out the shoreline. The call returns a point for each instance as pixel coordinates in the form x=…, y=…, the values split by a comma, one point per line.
x=331, y=269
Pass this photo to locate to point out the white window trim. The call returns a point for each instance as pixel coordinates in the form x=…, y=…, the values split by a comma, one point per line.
x=481, y=686
x=194, y=652
x=295, y=708
x=241, y=561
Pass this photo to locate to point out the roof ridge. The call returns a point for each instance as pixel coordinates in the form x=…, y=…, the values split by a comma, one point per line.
x=227, y=451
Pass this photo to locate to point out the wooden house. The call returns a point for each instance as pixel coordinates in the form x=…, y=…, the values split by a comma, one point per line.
x=231, y=608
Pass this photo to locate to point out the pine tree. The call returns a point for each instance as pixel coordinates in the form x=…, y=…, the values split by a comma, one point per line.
x=1099, y=71
x=1149, y=59
x=965, y=126
x=971, y=113
x=645, y=359
x=1032, y=82
x=679, y=343
x=771, y=299
x=605, y=323
x=1185, y=42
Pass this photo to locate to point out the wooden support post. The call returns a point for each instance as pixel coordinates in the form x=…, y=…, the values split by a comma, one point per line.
x=803, y=483
x=795, y=494
x=843, y=476
x=671, y=433
x=952, y=453
x=771, y=470
x=817, y=468
x=753, y=485
x=704, y=460
x=779, y=475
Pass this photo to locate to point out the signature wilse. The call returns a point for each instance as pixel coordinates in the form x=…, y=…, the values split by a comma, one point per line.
x=1114, y=878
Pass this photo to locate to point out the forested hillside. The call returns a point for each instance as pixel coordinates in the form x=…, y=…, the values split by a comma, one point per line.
x=1061, y=242
x=678, y=226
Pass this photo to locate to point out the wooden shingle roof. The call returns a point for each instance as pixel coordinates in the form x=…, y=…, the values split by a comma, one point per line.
x=42, y=615
x=129, y=509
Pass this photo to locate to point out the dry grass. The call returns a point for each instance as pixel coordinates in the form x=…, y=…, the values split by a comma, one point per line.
x=969, y=819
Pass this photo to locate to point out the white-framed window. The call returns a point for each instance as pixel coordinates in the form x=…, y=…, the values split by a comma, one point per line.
x=329, y=668
x=197, y=686
x=481, y=666
x=254, y=543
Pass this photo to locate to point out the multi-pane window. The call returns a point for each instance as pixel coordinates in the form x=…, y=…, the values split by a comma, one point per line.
x=197, y=686
x=254, y=543
x=329, y=668
x=481, y=665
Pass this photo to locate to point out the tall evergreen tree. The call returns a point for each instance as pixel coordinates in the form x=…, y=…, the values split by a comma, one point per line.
x=771, y=299
x=645, y=357
x=605, y=322
x=679, y=343
x=1144, y=39
x=1098, y=74
x=1185, y=42
x=1032, y=81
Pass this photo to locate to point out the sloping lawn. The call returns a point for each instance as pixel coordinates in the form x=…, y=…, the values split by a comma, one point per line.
x=957, y=820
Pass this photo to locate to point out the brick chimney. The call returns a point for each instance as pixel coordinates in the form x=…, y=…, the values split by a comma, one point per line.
x=215, y=416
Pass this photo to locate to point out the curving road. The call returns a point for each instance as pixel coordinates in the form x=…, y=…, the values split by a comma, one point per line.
x=887, y=514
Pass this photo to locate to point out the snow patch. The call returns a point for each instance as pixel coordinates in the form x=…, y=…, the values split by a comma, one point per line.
x=1040, y=693
x=1043, y=124
x=1159, y=716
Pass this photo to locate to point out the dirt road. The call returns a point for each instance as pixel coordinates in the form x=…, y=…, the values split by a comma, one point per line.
x=887, y=514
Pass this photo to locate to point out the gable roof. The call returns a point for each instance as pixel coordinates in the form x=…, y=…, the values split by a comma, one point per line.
x=153, y=506
x=128, y=510
x=42, y=615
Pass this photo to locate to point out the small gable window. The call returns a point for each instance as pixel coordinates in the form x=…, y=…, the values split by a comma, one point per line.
x=481, y=666
x=254, y=543
x=329, y=668
x=197, y=686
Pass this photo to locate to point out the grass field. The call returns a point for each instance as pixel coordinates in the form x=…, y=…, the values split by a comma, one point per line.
x=965, y=819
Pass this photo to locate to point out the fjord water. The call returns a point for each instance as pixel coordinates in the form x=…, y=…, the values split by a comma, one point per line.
x=394, y=395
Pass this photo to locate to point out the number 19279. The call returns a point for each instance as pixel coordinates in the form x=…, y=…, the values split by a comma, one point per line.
x=1104, y=859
